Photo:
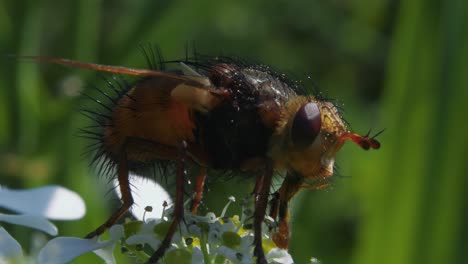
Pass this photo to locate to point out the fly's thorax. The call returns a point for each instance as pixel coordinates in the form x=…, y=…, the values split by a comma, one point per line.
x=307, y=137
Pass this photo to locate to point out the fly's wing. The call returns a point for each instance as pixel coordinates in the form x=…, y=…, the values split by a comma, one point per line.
x=103, y=68
x=156, y=110
x=194, y=90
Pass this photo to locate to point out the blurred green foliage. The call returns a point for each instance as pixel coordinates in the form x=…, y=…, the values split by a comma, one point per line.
x=399, y=65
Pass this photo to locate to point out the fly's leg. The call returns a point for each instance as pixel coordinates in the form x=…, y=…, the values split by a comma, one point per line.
x=281, y=238
x=261, y=201
x=198, y=190
x=258, y=186
x=274, y=206
x=178, y=206
x=127, y=199
x=280, y=208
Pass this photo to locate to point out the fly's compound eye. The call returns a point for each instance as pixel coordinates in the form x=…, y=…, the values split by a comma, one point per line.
x=306, y=125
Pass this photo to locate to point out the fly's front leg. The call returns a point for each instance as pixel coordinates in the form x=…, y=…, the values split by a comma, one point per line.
x=281, y=237
x=127, y=199
x=280, y=207
x=178, y=206
x=288, y=189
x=274, y=206
x=261, y=202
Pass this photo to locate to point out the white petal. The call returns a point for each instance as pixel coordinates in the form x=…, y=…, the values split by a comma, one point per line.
x=9, y=247
x=246, y=246
x=116, y=232
x=197, y=256
x=229, y=226
x=314, y=260
x=107, y=253
x=148, y=226
x=147, y=193
x=33, y=221
x=53, y=202
x=64, y=249
x=228, y=253
x=279, y=256
x=149, y=239
x=194, y=230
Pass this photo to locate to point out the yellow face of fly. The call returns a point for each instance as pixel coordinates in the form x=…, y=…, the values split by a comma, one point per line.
x=308, y=138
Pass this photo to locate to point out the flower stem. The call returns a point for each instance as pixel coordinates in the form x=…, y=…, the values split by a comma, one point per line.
x=203, y=246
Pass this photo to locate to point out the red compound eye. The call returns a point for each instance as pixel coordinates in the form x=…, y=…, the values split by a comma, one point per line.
x=306, y=125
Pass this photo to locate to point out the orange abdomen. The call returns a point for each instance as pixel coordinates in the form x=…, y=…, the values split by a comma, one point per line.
x=148, y=115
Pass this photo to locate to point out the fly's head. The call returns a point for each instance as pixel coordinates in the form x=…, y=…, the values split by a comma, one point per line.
x=308, y=137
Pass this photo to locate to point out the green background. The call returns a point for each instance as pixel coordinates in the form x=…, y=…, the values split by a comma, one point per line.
x=399, y=65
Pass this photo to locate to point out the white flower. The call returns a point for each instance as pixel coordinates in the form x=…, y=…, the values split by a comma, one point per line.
x=314, y=261
x=197, y=256
x=149, y=239
x=246, y=246
x=10, y=248
x=146, y=235
x=241, y=254
x=231, y=254
x=64, y=249
x=214, y=234
x=279, y=256
x=32, y=221
x=52, y=202
x=199, y=239
x=34, y=206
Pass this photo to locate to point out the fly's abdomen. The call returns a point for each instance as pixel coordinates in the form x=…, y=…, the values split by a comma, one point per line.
x=148, y=124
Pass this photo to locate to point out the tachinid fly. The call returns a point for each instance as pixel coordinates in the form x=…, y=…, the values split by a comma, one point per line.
x=221, y=114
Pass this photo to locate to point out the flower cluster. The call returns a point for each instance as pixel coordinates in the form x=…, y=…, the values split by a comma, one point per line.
x=200, y=239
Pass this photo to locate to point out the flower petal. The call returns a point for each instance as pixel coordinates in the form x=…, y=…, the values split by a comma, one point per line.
x=107, y=253
x=228, y=253
x=116, y=232
x=149, y=239
x=53, y=202
x=65, y=249
x=33, y=221
x=9, y=247
x=148, y=193
x=197, y=256
x=279, y=256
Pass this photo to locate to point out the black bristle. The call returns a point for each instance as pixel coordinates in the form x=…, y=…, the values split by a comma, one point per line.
x=106, y=95
x=111, y=85
x=109, y=167
x=91, y=132
x=131, y=98
x=149, y=61
x=96, y=114
x=100, y=103
x=118, y=80
x=127, y=107
x=160, y=59
x=89, y=116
